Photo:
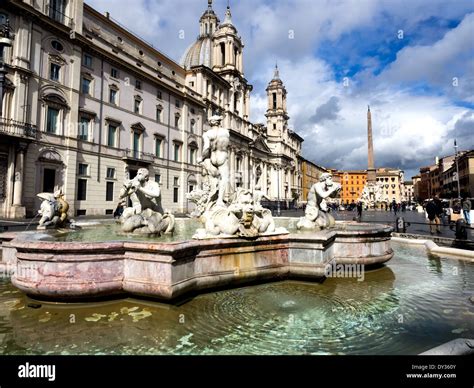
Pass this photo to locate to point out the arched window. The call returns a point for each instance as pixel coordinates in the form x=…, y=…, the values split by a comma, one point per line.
x=222, y=46
x=54, y=113
x=192, y=127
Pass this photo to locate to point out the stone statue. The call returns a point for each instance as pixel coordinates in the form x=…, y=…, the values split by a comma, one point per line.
x=316, y=213
x=215, y=157
x=146, y=214
x=241, y=218
x=223, y=211
x=371, y=194
x=53, y=210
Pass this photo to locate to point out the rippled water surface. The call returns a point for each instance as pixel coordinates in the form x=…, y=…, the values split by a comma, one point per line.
x=185, y=228
x=412, y=304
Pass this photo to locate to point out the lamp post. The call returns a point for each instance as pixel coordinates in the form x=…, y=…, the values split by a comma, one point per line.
x=5, y=41
x=457, y=167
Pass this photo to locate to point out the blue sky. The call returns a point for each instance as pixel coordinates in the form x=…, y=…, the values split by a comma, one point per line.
x=411, y=60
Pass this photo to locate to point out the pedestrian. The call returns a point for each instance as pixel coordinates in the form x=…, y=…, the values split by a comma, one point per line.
x=395, y=207
x=359, y=211
x=466, y=208
x=434, y=210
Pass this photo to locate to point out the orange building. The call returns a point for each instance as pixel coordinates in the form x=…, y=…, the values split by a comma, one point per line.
x=353, y=183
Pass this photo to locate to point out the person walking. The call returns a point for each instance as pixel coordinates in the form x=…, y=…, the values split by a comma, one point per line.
x=434, y=210
x=359, y=211
x=395, y=207
x=466, y=208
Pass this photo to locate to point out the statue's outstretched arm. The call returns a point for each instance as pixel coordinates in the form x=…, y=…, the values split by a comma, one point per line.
x=323, y=193
x=152, y=192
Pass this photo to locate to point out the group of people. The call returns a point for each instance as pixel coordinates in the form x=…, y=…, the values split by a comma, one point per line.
x=435, y=212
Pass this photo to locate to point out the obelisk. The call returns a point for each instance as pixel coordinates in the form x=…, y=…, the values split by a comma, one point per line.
x=371, y=167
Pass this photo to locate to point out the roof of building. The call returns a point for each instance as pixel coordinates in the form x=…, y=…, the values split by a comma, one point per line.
x=198, y=53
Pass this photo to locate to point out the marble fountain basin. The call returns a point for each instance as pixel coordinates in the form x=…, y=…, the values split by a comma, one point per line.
x=67, y=266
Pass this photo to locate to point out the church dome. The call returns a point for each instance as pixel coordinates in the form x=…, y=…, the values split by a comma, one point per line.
x=198, y=54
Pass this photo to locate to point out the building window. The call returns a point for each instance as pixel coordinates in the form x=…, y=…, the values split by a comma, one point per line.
x=56, y=10
x=87, y=60
x=158, y=178
x=110, y=173
x=274, y=100
x=52, y=120
x=159, y=111
x=158, y=147
x=175, y=189
x=193, y=111
x=83, y=169
x=81, y=190
x=112, y=135
x=136, y=144
x=137, y=106
x=86, y=86
x=57, y=45
x=84, y=128
x=109, y=191
x=158, y=94
x=176, y=121
x=114, y=73
x=176, y=152
x=222, y=46
x=175, y=194
x=192, y=127
x=113, y=96
x=192, y=155
x=54, y=72
x=138, y=84
x=177, y=103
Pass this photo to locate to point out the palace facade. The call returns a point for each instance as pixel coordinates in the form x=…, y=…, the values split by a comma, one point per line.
x=87, y=103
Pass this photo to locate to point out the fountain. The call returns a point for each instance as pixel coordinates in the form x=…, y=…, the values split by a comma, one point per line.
x=229, y=241
x=155, y=255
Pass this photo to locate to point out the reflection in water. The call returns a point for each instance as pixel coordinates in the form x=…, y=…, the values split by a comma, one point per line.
x=434, y=262
x=405, y=307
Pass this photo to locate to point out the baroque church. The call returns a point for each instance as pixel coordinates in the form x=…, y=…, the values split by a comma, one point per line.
x=261, y=155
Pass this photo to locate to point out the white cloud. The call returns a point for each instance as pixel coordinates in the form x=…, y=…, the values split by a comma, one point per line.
x=409, y=129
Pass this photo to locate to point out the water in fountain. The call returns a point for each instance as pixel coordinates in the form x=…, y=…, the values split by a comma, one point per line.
x=412, y=304
x=32, y=220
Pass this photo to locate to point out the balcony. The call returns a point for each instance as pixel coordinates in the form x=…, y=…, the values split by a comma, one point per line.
x=60, y=17
x=17, y=128
x=138, y=157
